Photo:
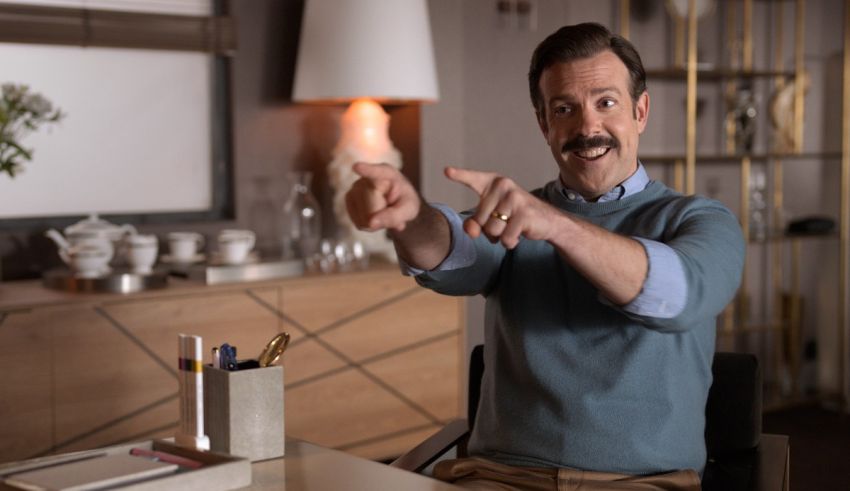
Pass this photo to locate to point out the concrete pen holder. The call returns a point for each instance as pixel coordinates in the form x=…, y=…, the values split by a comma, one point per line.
x=243, y=410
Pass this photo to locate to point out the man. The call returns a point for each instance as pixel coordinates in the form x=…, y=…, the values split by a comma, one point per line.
x=602, y=287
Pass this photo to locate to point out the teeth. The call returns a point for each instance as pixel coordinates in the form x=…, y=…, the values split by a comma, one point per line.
x=592, y=153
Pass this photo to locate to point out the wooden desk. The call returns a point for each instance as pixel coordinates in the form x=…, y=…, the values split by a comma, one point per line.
x=309, y=467
x=373, y=367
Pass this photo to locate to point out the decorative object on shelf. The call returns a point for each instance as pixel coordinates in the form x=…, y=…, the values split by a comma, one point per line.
x=349, y=52
x=89, y=245
x=338, y=257
x=679, y=8
x=21, y=112
x=812, y=225
x=301, y=219
x=141, y=251
x=758, y=204
x=782, y=115
x=744, y=112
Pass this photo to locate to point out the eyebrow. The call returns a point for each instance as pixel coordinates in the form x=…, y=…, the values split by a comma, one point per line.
x=595, y=91
x=602, y=90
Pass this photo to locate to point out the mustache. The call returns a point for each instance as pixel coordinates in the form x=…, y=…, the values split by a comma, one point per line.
x=583, y=143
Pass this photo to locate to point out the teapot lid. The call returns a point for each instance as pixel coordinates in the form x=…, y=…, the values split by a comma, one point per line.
x=91, y=224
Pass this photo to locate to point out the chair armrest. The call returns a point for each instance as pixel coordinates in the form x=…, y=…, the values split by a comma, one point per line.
x=772, y=463
x=433, y=447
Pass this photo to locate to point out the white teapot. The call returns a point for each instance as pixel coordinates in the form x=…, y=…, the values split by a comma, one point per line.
x=92, y=234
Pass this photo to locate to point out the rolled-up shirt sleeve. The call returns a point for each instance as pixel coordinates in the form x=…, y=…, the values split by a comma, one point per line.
x=461, y=251
x=665, y=291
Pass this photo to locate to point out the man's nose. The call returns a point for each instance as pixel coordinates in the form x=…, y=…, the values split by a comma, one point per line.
x=590, y=122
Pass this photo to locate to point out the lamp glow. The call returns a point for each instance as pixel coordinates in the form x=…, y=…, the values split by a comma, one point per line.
x=365, y=51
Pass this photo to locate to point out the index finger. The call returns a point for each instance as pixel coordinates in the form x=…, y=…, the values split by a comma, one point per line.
x=473, y=179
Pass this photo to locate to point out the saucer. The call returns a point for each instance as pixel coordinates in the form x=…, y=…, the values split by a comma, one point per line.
x=100, y=273
x=168, y=259
x=216, y=259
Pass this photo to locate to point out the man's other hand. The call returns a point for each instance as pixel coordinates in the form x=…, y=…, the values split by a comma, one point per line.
x=381, y=199
x=505, y=211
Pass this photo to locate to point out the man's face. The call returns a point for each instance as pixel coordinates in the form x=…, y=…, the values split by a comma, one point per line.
x=591, y=123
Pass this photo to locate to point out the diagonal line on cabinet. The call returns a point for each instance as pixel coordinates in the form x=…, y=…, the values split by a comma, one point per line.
x=374, y=358
x=123, y=330
x=107, y=425
x=368, y=310
x=348, y=361
x=280, y=315
x=337, y=323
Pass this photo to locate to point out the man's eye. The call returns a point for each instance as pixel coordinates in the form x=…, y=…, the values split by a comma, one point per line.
x=607, y=103
x=562, y=110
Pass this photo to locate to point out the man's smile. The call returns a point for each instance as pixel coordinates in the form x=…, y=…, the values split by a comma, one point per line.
x=589, y=148
x=590, y=154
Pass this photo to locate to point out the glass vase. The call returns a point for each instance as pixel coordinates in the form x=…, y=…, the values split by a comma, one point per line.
x=301, y=219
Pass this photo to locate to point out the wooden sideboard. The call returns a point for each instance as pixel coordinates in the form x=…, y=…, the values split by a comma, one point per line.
x=373, y=366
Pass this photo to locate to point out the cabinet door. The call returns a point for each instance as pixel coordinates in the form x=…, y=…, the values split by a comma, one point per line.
x=375, y=366
x=26, y=417
x=119, y=378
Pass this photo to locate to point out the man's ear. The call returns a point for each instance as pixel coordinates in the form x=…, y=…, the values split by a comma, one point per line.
x=642, y=111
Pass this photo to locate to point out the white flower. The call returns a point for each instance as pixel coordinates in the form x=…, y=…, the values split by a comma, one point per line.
x=21, y=112
x=37, y=104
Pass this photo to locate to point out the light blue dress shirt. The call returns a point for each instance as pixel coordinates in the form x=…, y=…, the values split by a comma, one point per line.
x=664, y=291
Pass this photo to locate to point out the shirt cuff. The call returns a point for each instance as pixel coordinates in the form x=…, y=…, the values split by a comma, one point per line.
x=461, y=250
x=665, y=290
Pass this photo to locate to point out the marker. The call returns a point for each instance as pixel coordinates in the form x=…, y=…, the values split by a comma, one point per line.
x=216, y=358
x=191, y=432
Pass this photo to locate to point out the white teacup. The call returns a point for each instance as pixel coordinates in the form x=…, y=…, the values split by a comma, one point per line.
x=141, y=252
x=234, y=245
x=184, y=246
x=89, y=261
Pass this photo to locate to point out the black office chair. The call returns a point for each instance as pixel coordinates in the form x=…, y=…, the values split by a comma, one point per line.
x=740, y=457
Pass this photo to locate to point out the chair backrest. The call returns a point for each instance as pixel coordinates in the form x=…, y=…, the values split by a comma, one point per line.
x=733, y=409
x=476, y=371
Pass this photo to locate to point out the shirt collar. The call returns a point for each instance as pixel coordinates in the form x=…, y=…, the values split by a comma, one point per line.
x=634, y=184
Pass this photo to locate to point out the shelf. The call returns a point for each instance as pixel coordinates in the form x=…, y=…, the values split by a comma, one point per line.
x=781, y=237
x=736, y=158
x=713, y=75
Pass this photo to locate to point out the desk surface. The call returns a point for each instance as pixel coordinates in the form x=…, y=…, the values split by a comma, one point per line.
x=308, y=467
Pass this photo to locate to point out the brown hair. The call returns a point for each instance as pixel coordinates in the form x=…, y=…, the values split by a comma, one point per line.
x=583, y=41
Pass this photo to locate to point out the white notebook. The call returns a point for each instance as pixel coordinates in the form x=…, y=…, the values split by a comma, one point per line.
x=96, y=473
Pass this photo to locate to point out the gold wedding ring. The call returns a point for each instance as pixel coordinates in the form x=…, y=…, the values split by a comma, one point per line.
x=500, y=216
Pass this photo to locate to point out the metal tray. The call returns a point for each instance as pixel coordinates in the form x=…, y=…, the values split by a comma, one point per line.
x=212, y=274
x=118, y=281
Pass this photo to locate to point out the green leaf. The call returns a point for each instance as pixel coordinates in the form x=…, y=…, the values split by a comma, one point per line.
x=27, y=154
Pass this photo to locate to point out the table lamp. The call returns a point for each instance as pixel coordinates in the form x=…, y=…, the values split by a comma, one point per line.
x=364, y=52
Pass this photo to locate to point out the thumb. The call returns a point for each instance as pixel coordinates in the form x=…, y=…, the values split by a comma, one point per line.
x=375, y=171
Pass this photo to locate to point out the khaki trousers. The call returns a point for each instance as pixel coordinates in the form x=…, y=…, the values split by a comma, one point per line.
x=478, y=473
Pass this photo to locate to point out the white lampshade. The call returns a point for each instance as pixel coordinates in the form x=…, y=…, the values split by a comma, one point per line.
x=379, y=49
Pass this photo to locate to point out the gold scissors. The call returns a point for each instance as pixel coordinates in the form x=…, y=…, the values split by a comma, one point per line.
x=273, y=351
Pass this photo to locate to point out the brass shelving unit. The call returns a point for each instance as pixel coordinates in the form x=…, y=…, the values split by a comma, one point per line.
x=785, y=321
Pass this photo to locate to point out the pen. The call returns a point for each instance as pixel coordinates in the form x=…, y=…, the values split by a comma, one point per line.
x=227, y=354
x=167, y=457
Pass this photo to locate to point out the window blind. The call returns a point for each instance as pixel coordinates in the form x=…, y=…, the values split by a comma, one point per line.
x=82, y=26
